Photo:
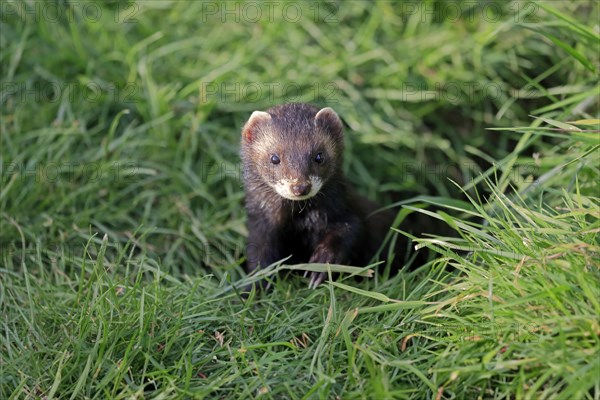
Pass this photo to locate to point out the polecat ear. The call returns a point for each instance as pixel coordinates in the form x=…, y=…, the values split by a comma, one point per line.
x=328, y=120
x=257, y=118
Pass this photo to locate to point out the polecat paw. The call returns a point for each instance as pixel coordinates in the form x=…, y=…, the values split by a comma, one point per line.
x=315, y=279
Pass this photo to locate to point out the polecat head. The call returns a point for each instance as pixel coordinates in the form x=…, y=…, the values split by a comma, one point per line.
x=293, y=148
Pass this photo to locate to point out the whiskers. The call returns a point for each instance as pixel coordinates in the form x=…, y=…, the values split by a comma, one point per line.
x=300, y=203
x=303, y=205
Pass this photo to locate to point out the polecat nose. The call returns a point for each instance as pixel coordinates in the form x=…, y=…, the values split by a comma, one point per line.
x=301, y=189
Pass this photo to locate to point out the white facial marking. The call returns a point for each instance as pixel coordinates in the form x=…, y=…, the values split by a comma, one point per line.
x=284, y=188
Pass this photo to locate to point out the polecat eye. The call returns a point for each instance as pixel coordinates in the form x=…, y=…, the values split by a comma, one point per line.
x=275, y=159
x=319, y=158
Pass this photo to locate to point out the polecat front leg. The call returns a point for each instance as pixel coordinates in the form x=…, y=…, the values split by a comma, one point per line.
x=334, y=247
x=263, y=247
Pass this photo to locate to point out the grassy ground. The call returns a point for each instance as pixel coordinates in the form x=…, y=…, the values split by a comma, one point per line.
x=122, y=227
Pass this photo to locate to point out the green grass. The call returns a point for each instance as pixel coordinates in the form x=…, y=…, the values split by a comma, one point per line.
x=122, y=226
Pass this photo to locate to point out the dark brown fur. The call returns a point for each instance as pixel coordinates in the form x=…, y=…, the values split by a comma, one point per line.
x=335, y=225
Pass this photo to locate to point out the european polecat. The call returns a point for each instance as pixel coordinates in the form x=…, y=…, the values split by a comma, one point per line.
x=298, y=201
